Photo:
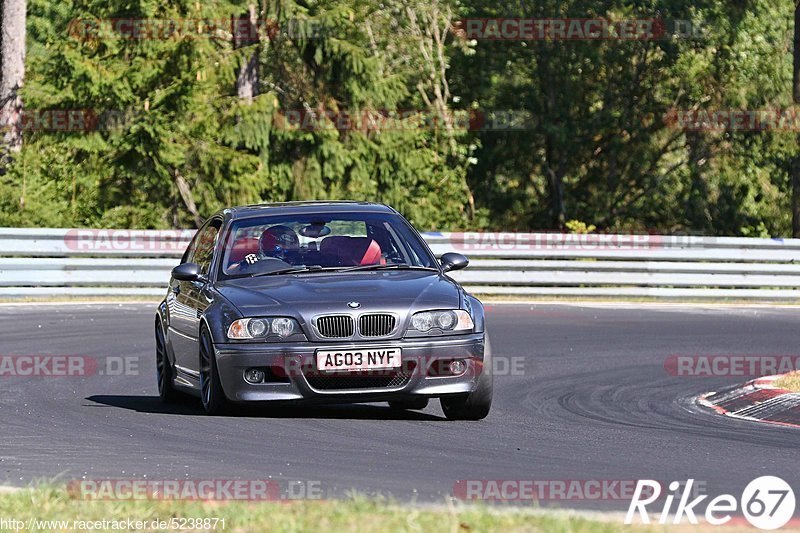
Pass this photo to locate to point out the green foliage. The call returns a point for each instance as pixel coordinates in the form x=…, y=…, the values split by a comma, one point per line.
x=598, y=146
x=600, y=134
x=183, y=121
x=577, y=226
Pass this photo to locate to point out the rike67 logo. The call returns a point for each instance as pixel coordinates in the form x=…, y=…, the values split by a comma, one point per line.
x=767, y=502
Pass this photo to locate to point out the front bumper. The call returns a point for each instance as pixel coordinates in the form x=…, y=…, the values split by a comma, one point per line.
x=419, y=355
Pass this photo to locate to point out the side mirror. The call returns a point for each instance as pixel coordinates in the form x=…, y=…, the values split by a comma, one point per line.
x=453, y=261
x=187, y=272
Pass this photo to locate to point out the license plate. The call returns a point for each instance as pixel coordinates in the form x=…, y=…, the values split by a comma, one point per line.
x=359, y=359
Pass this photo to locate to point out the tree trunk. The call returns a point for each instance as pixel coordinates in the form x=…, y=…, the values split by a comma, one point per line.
x=795, y=166
x=247, y=79
x=13, y=74
x=555, y=183
x=796, y=62
x=185, y=190
x=795, y=175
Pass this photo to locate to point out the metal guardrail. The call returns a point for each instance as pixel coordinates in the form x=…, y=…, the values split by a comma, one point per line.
x=45, y=262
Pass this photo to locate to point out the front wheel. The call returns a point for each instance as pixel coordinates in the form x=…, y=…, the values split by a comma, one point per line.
x=211, y=393
x=477, y=404
x=164, y=372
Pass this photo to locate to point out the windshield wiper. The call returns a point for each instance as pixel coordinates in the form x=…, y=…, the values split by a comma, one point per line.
x=292, y=270
x=384, y=267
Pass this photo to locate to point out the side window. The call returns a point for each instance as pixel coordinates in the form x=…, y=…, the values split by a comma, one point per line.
x=204, y=249
x=189, y=253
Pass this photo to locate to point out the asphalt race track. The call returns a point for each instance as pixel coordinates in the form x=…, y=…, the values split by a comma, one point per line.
x=589, y=399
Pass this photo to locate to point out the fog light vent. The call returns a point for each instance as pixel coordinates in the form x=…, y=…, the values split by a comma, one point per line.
x=254, y=375
x=457, y=367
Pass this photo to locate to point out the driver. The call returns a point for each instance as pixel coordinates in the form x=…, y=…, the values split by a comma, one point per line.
x=278, y=242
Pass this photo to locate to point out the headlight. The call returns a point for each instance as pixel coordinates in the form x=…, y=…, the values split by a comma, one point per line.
x=283, y=327
x=258, y=327
x=455, y=320
x=262, y=328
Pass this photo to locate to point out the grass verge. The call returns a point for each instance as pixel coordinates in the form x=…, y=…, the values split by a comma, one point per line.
x=790, y=381
x=47, y=504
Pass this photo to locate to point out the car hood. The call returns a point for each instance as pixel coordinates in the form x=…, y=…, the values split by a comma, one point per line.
x=310, y=294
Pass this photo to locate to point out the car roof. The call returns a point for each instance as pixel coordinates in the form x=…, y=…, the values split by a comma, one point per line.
x=306, y=207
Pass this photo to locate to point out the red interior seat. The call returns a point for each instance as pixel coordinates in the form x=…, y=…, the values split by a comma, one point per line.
x=242, y=247
x=372, y=256
x=353, y=250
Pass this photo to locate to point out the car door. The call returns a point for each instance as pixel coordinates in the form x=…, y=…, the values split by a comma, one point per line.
x=179, y=325
x=190, y=300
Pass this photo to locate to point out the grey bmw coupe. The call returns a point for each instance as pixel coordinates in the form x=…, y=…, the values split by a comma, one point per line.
x=327, y=302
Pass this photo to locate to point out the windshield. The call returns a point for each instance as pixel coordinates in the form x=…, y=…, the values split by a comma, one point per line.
x=346, y=241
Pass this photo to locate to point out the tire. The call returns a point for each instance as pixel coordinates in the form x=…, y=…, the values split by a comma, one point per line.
x=477, y=404
x=412, y=405
x=211, y=393
x=165, y=374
